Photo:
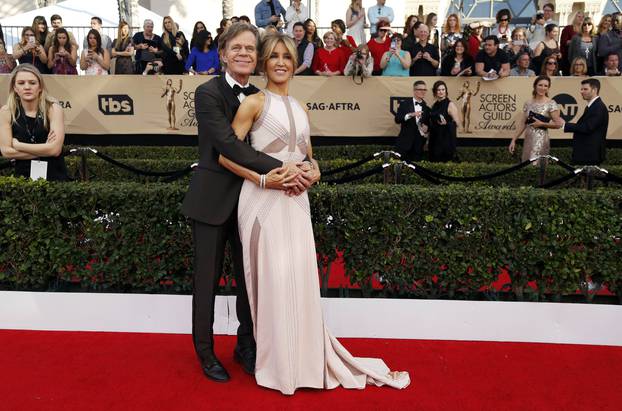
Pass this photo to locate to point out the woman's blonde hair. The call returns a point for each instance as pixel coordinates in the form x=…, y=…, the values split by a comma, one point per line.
x=165, y=36
x=601, y=25
x=577, y=60
x=329, y=33
x=121, y=41
x=573, y=20
x=269, y=43
x=589, y=20
x=13, y=103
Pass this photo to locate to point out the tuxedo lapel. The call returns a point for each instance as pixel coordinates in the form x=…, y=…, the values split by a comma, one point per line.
x=227, y=93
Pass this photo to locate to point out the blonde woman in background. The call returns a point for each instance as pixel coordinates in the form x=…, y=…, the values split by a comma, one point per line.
x=123, y=50
x=32, y=127
x=578, y=67
x=356, y=21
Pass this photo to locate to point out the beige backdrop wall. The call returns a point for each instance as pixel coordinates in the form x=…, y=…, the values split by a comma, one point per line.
x=337, y=106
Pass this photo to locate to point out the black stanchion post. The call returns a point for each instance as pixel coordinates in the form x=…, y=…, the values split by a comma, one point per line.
x=386, y=158
x=589, y=172
x=84, y=172
x=542, y=173
x=397, y=169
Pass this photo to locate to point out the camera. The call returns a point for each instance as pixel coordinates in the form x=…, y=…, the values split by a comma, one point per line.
x=359, y=55
x=539, y=16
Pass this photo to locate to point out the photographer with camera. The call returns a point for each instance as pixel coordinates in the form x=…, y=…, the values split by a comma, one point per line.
x=360, y=63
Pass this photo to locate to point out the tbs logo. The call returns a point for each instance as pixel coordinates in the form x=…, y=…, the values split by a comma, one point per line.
x=115, y=104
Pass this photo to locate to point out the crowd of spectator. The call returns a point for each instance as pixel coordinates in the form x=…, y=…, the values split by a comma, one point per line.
x=426, y=47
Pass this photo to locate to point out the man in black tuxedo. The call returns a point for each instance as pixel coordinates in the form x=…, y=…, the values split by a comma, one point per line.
x=413, y=115
x=212, y=198
x=590, y=132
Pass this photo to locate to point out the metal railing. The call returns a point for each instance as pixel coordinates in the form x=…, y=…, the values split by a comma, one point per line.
x=13, y=34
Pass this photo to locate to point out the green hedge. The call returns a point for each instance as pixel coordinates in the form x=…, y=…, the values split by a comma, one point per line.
x=351, y=152
x=438, y=242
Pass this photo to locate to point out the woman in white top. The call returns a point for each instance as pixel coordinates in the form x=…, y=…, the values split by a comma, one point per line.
x=295, y=13
x=95, y=60
x=356, y=21
x=503, y=29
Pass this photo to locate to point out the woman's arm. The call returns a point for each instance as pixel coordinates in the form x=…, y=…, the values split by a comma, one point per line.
x=349, y=20
x=53, y=147
x=51, y=58
x=73, y=56
x=42, y=54
x=385, y=59
x=242, y=123
x=105, y=60
x=406, y=60
x=452, y=109
x=18, y=51
x=6, y=138
x=538, y=50
x=83, y=63
x=519, y=131
x=556, y=123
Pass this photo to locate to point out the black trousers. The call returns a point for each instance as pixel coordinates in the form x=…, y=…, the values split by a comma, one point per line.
x=209, y=250
x=415, y=152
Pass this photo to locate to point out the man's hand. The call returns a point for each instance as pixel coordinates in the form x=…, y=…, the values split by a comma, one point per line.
x=279, y=179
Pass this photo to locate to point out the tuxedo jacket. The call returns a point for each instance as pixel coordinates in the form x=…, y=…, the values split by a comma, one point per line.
x=590, y=134
x=214, y=190
x=409, y=132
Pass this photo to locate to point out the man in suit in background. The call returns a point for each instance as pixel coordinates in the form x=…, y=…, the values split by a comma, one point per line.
x=212, y=198
x=413, y=116
x=590, y=132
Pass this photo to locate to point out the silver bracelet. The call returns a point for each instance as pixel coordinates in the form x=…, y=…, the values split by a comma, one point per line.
x=262, y=181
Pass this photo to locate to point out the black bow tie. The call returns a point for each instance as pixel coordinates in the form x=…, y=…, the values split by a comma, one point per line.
x=247, y=91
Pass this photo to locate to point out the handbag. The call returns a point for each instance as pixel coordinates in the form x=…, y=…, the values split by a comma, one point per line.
x=533, y=116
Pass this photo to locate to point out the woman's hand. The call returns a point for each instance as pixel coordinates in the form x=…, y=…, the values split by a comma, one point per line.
x=538, y=124
x=512, y=146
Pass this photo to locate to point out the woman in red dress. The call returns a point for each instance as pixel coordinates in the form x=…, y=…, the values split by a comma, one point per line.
x=329, y=60
x=380, y=45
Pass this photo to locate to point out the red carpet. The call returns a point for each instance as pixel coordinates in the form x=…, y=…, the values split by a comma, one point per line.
x=114, y=371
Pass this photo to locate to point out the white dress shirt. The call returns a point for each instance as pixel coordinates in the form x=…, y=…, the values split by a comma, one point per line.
x=231, y=81
x=378, y=11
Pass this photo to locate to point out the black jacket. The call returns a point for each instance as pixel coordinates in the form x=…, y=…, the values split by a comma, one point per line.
x=410, y=138
x=589, y=135
x=214, y=190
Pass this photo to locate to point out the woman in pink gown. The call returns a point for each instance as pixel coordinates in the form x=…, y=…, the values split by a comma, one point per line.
x=294, y=347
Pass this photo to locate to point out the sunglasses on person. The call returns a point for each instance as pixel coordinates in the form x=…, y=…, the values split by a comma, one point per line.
x=504, y=19
x=587, y=24
x=551, y=62
x=421, y=89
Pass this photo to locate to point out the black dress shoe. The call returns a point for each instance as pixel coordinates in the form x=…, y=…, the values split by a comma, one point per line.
x=246, y=358
x=214, y=370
